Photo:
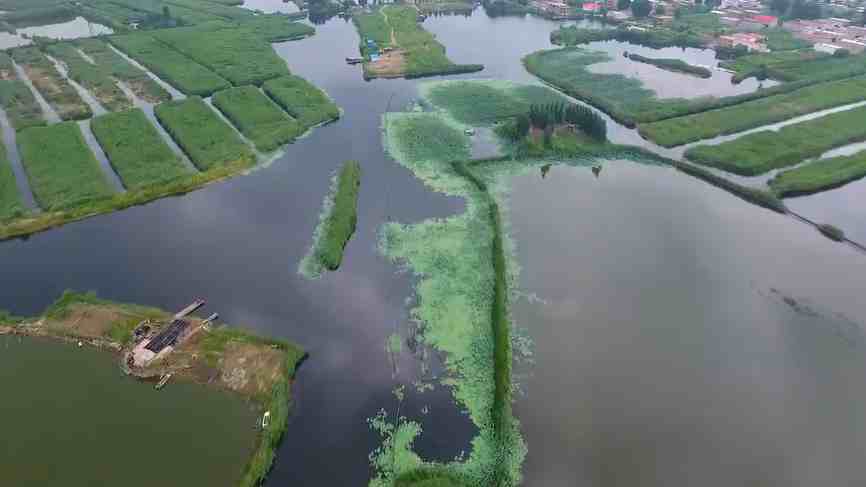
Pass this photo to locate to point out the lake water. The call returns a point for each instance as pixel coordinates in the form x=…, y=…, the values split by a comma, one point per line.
x=238, y=243
x=69, y=417
x=73, y=29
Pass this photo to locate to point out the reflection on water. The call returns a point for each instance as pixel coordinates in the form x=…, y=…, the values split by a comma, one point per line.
x=689, y=338
x=73, y=29
x=271, y=6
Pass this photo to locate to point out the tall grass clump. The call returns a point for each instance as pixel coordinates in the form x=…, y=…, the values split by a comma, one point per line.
x=62, y=170
x=257, y=117
x=673, y=65
x=760, y=152
x=136, y=150
x=138, y=81
x=756, y=196
x=94, y=78
x=821, y=175
x=10, y=198
x=484, y=102
x=48, y=81
x=337, y=223
x=20, y=105
x=306, y=103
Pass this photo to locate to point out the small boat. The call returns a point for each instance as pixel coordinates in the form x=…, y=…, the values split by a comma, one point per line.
x=266, y=419
x=162, y=381
x=354, y=60
x=470, y=132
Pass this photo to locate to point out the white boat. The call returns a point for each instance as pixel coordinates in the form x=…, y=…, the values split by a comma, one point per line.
x=266, y=419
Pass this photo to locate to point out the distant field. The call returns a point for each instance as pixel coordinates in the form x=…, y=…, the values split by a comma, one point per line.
x=275, y=28
x=60, y=166
x=257, y=117
x=95, y=79
x=486, y=102
x=764, y=111
x=138, y=81
x=10, y=198
x=821, y=175
x=20, y=105
x=763, y=151
x=136, y=150
x=180, y=71
x=202, y=134
x=305, y=102
x=56, y=90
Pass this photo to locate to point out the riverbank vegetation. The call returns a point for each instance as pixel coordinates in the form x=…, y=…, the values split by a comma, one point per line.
x=756, y=196
x=755, y=113
x=820, y=175
x=138, y=81
x=306, y=103
x=20, y=105
x=485, y=102
x=257, y=117
x=687, y=30
x=53, y=87
x=763, y=151
x=173, y=67
x=796, y=65
x=673, y=65
x=135, y=149
x=96, y=80
x=202, y=134
x=76, y=181
x=10, y=198
x=336, y=224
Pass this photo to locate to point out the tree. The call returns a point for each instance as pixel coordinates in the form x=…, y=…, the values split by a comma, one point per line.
x=166, y=12
x=623, y=4
x=780, y=6
x=641, y=8
x=803, y=9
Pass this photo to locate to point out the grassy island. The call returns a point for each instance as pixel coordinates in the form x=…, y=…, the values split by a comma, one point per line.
x=336, y=224
x=401, y=47
x=20, y=105
x=257, y=117
x=258, y=369
x=307, y=104
x=821, y=175
x=673, y=65
x=96, y=80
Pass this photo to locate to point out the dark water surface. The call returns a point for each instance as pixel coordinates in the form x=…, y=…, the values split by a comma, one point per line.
x=670, y=247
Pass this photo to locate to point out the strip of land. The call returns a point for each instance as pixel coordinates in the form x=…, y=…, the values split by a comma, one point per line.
x=10, y=198
x=306, y=103
x=202, y=134
x=673, y=65
x=53, y=87
x=20, y=105
x=135, y=149
x=97, y=81
x=138, y=81
x=821, y=175
x=760, y=152
x=257, y=117
x=60, y=167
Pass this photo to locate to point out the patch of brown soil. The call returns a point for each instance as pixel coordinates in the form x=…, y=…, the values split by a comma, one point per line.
x=87, y=320
x=251, y=369
x=390, y=64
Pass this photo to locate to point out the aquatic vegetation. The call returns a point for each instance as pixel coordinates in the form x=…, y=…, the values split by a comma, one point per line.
x=202, y=134
x=10, y=199
x=757, y=196
x=336, y=223
x=77, y=180
x=478, y=102
x=744, y=116
x=94, y=78
x=821, y=175
x=275, y=28
x=423, y=137
x=20, y=105
x=56, y=90
x=178, y=70
x=674, y=65
x=138, y=81
x=306, y=103
x=760, y=152
x=135, y=149
x=257, y=117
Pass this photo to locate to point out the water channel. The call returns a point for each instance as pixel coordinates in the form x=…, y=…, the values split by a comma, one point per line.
x=683, y=344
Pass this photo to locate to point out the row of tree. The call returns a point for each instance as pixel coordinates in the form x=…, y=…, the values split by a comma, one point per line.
x=549, y=116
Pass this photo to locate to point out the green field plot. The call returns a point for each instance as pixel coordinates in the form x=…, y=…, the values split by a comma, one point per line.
x=183, y=14
x=729, y=120
x=309, y=105
x=138, y=81
x=234, y=54
x=257, y=117
x=56, y=90
x=484, y=102
x=94, y=78
x=202, y=134
x=275, y=28
x=763, y=151
x=821, y=175
x=180, y=71
x=10, y=198
x=7, y=70
x=20, y=105
x=135, y=149
x=60, y=166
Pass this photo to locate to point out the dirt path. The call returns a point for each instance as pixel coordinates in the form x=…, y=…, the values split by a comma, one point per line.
x=390, y=64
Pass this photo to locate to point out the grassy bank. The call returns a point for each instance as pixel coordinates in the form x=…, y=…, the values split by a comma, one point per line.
x=760, y=152
x=136, y=150
x=78, y=180
x=486, y=102
x=821, y=175
x=95, y=79
x=257, y=117
x=744, y=116
x=53, y=87
x=756, y=196
x=109, y=61
x=173, y=67
x=688, y=30
x=673, y=65
x=20, y=105
x=306, y=103
x=202, y=134
x=10, y=198
x=336, y=223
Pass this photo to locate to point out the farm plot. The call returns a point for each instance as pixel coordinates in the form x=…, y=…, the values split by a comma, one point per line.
x=56, y=90
x=257, y=117
x=60, y=166
x=136, y=150
x=201, y=133
x=10, y=199
x=94, y=78
x=138, y=81
x=309, y=105
x=21, y=107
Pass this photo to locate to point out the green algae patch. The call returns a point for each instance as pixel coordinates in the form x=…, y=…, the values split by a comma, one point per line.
x=484, y=102
x=337, y=223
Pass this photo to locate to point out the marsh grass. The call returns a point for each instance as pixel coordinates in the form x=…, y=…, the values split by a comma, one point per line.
x=48, y=81
x=94, y=78
x=306, y=103
x=10, y=198
x=257, y=117
x=821, y=175
x=673, y=65
x=138, y=81
x=20, y=105
x=486, y=102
